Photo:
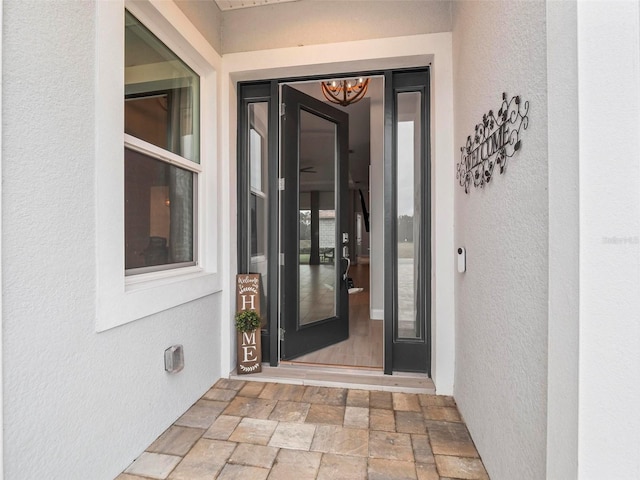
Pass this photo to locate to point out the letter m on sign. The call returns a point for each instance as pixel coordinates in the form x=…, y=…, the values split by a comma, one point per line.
x=249, y=338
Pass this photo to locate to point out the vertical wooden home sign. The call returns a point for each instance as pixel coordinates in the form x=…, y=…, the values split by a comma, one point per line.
x=248, y=294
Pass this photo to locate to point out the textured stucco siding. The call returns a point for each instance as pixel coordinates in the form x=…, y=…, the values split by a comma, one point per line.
x=77, y=404
x=609, y=110
x=502, y=299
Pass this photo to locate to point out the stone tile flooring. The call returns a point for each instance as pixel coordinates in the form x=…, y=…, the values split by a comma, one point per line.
x=248, y=430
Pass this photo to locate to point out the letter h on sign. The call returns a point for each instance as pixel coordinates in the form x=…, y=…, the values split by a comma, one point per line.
x=248, y=302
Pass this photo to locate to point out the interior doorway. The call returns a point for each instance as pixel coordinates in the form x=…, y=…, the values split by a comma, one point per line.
x=364, y=347
x=325, y=247
x=315, y=223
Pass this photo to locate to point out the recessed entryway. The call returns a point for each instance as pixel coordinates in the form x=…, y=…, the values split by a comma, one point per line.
x=325, y=192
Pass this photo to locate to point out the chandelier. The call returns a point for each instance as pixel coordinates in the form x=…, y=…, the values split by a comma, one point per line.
x=345, y=92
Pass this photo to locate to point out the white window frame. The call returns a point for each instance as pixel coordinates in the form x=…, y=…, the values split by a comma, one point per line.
x=121, y=299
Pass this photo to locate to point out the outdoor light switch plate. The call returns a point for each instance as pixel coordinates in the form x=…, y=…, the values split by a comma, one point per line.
x=174, y=359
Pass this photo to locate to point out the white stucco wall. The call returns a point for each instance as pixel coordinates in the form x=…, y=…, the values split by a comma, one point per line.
x=206, y=17
x=376, y=208
x=77, y=404
x=313, y=22
x=564, y=240
x=609, y=105
x=501, y=300
x=1, y=276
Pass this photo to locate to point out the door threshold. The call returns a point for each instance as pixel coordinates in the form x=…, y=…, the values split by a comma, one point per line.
x=360, y=378
x=357, y=368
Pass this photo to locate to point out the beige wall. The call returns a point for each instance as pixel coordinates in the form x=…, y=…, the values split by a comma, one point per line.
x=313, y=22
x=206, y=17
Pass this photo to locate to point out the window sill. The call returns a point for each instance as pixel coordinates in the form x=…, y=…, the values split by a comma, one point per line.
x=162, y=277
x=151, y=293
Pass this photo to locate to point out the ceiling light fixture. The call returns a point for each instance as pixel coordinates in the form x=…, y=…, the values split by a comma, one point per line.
x=345, y=92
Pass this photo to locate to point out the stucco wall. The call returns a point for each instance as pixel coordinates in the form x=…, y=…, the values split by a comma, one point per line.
x=78, y=404
x=564, y=240
x=609, y=106
x=206, y=17
x=501, y=300
x=312, y=22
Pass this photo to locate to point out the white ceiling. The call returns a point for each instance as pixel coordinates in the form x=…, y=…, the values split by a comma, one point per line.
x=235, y=4
x=359, y=140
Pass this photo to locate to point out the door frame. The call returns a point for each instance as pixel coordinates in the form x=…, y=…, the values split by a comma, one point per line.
x=271, y=335
x=257, y=93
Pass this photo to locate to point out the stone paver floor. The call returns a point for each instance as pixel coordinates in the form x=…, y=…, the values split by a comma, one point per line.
x=251, y=430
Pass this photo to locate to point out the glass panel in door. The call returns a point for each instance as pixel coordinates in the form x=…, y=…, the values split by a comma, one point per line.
x=317, y=185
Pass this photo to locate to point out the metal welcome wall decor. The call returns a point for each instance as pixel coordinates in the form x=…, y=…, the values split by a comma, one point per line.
x=496, y=139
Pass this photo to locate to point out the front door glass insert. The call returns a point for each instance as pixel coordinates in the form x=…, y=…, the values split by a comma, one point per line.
x=317, y=219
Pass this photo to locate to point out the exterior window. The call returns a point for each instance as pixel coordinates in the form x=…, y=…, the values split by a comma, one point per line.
x=162, y=154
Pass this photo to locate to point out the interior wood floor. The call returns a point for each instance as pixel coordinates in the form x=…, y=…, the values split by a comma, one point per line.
x=316, y=293
x=364, y=346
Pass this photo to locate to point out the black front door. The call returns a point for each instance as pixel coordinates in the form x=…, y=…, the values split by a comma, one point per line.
x=315, y=300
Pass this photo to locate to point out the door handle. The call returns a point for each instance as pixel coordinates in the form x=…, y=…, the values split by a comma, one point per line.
x=345, y=275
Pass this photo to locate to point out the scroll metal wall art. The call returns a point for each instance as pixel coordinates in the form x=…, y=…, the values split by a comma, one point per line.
x=496, y=139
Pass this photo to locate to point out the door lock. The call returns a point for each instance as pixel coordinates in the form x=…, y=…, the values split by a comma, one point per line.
x=345, y=238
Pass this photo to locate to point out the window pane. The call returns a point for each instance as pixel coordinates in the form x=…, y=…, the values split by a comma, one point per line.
x=158, y=212
x=257, y=158
x=318, y=289
x=408, y=190
x=258, y=227
x=162, y=94
x=259, y=192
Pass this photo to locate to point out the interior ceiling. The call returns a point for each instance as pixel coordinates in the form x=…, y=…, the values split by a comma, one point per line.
x=235, y=4
x=314, y=159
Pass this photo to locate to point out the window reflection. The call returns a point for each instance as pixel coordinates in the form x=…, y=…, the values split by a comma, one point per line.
x=317, y=219
x=408, y=213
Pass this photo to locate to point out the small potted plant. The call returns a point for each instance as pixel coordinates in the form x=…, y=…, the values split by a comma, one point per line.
x=249, y=352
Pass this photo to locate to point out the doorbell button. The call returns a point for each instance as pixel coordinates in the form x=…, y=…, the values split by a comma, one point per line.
x=462, y=260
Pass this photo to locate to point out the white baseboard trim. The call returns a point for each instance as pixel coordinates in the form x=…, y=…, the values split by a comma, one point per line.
x=376, y=314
